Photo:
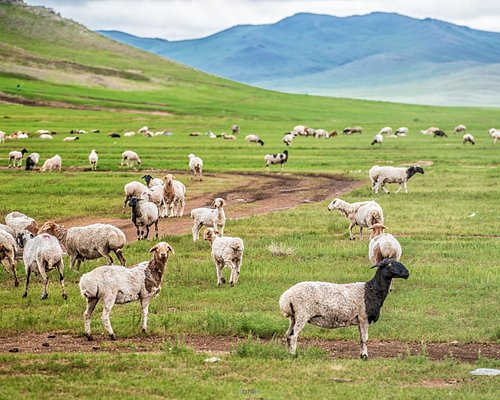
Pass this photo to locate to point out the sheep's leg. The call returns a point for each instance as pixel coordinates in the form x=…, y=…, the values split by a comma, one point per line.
x=45, y=279
x=138, y=233
x=218, y=270
x=351, y=225
x=360, y=232
x=145, y=309
x=60, y=269
x=156, y=229
x=363, y=334
x=235, y=273
x=384, y=188
x=28, y=273
x=293, y=334
x=399, y=188
x=109, y=302
x=196, y=230
x=182, y=206
x=119, y=254
x=406, y=189
x=12, y=266
x=91, y=303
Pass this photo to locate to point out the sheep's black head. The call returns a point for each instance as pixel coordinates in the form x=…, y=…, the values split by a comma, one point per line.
x=261, y=142
x=391, y=268
x=22, y=237
x=413, y=170
x=133, y=201
x=285, y=152
x=147, y=178
x=23, y=151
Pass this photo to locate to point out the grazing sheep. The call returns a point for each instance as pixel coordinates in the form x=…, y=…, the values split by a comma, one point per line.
x=132, y=189
x=235, y=129
x=144, y=214
x=380, y=176
x=88, y=242
x=18, y=222
x=383, y=245
x=280, y=158
x=46, y=136
x=129, y=158
x=93, y=158
x=209, y=217
x=8, y=252
x=41, y=255
x=387, y=130
x=52, y=164
x=195, y=166
x=402, y=131
x=363, y=213
x=155, y=195
x=2, y=137
x=150, y=181
x=70, y=138
x=378, y=138
x=32, y=161
x=129, y=134
x=118, y=285
x=226, y=252
x=495, y=134
x=468, y=138
x=322, y=133
x=288, y=138
x=174, y=193
x=310, y=132
x=195, y=134
x=254, y=139
x=440, y=133
x=299, y=130
x=350, y=131
x=16, y=158
x=228, y=137
x=429, y=131
x=331, y=305
x=459, y=129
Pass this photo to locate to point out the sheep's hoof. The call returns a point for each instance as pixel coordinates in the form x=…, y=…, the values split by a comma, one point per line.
x=16, y=283
x=231, y=284
x=45, y=296
x=222, y=280
x=25, y=294
x=89, y=337
x=112, y=336
x=364, y=357
x=145, y=332
x=352, y=238
x=65, y=296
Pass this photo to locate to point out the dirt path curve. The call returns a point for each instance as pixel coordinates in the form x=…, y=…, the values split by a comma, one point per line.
x=50, y=343
x=250, y=194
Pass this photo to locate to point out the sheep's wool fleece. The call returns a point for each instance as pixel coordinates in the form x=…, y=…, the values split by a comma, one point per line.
x=44, y=247
x=87, y=240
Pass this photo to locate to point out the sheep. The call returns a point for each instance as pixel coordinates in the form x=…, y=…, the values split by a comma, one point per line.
x=150, y=181
x=288, y=138
x=32, y=161
x=114, y=135
x=228, y=137
x=195, y=166
x=429, y=131
x=2, y=137
x=93, y=158
x=402, y=131
x=52, y=164
x=42, y=131
x=16, y=158
x=226, y=251
x=155, y=195
x=174, y=193
x=8, y=229
x=254, y=139
x=144, y=214
x=118, y=285
x=495, y=134
x=379, y=176
x=280, y=158
x=8, y=252
x=131, y=189
x=144, y=129
x=386, y=130
x=70, y=138
x=383, y=245
x=468, y=138
x=129, y=134
x=320, y=133
x=195, y=134
x=349, y=130
x=42, y=254
x=492, y=131
x=330, y=305
x=310, y=132
x=129, y=157
x=88, y=242
x=439, y=133
x=18, y=222
x=299, y=130
x=378, y=138
x=46, y=136
x=235, y=129
x=363, y=213
x=209, y=217
x=23, y=135
x=459, y=129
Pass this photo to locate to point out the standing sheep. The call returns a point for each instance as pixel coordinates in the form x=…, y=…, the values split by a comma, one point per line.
x=330, y=305
x=288, y=138
x=8, y=252
x=18, y=222
x=41, y=255
x=378, y=138
x=468, y=138
x=379, y=176
x=495, y=134
x=363, y=213
x=254, y=139
x=195, y=166
x=144, y=214
x=129, y=158
x=88, y=242
x=52, y=164
x=32, y=161
x=387, y=130
x=280, y=158
x=93, y=158
x=16, y=158
x=226, y=252
x=174, y=193
x=210, y=217
x=133, y=189
x=155, y=195
x=402, y=131
x=119, y=285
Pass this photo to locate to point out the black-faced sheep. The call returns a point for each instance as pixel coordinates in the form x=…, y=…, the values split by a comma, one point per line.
x=144, y=214
x=380, y=176
x=16, y=158
x=280, y=158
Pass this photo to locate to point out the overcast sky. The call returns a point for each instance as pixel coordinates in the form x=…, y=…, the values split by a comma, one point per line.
x=188, y=19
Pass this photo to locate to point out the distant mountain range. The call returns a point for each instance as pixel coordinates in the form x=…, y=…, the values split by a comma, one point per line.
x=380, y=56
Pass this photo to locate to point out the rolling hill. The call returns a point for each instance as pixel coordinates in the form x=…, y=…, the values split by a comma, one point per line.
x=381, y=56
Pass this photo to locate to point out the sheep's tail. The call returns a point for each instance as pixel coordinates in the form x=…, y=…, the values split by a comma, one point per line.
x=287, y=308
x=89, y=288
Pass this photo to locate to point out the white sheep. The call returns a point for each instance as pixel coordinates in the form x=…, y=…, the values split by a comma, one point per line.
x=2, y=137
x=118, y=285
x=468, y=138
x=42, y=131
x=322, y=133
x=16, y=158
x=386, y=130
x=495, y=134
x=280, y=158
x=129, y=134
x=8, y=251
x=144, y=214
x=383, y=245
x=133, y=189
x=380, y=176
x=226, y=252
x=174, y=193
x=254, y=139
x=228, y=137
x=150, y=181
x=130, y=157
x=363, y=213
x=42, y=254
x=331, y=305
x=8, y=229
x=70, y=138
x=155, y=194
x=402, y=131
x=144, y=129
x=93, y=158
x=459, y=129
x=209, y=217
x=299, y=130
x=18, y=222
x=350, y=131
x=46, y=136
x=32, y=161
x=235, y=129
x=52, y=164
x=288, y=138
x=378, y=138
x=429, y=131
x=195, y=166
x=88, y=242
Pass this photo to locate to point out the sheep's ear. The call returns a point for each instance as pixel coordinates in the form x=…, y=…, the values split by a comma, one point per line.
x=223, y=202
x=152, y=249
x=171, y=249
x=216, y=232
x=213, y=203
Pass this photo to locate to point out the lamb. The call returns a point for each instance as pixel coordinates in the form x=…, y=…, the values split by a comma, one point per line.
x=18, y=222
x=88, y=242
x=174, y=193
x=459, y=129
x=46, y=136
x=254, y=139
x=52, y=164
x=42, y=254
x=378, y=138
x=131, y=189
x=288, y=138
x=387, y=130
x=70, y=138
x=330, y=305
x=16, y=158
x=280, y=158
x=144, y=214
x=129, y=157
x=150, y=181
x=468, y=138
x=226, y=252
x=195, y=166
x=363, y=213
x=32, y=161
x=379, y=176
x=8, y=252
x=209, y=217
x=402, y=131
x=93, y=158
x=118, y=285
